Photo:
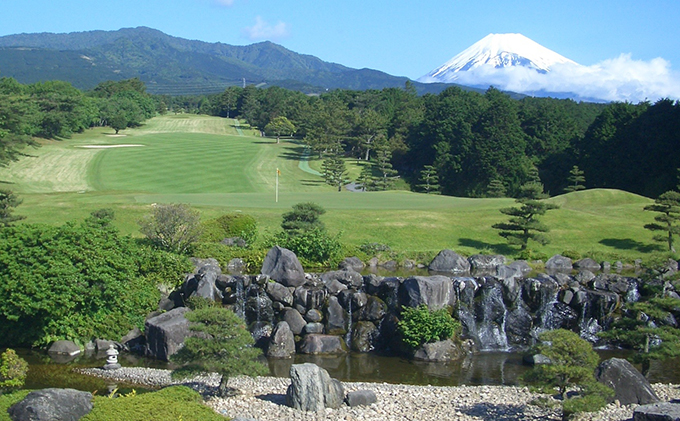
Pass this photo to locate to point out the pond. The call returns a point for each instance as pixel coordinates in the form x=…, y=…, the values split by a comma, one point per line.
x=487, y=368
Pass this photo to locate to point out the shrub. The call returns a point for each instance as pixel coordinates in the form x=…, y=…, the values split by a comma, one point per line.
x=174, y=227
x=372, y=249
x=315, y=246
x=253, y=258
x=13, y=371
x=170, y=403
x=73, y=282
x=230, y=225
x=572, y=254
x=419, y=325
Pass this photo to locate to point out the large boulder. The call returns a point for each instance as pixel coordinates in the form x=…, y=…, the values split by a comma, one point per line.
x=347, y=277
x=364, y=337
x=449, y=261
x=322, y=344
x=662, y=411
x=360, y=398
x=64, y=347
x=279, y=293
x=336, y=317
x=165, y=333
x=294, y=320
x=351, y=263
x=485, y=263
x=312, y=388
x=436, y=292
x=629, y=385
x=559, y=263
x=281, y=342
x=588, y=264
x=283, y=266
x=440, y=351
x=52, y=405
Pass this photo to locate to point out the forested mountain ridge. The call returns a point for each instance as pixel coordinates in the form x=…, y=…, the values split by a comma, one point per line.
x=177, y=66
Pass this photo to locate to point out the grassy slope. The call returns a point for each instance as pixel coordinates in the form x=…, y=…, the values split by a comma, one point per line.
x=204, y=161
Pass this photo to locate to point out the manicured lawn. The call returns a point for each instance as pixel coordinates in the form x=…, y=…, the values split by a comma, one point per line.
x=205, y=162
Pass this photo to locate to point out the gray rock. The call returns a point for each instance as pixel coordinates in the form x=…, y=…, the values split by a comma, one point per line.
x=294, y=319
x=361, y=397
x=336, y=317
x=166, y=332
x=436, y=292
x=234, y=242
x=281, y=342
x=536, y=359
x=52, y=405
x=322, y=344
x=313, y=328
x=283, y=266
x=374, y=310
x=559, y=263
x=588, y=264
x=314, y=316
x=134, y=340
x=313, y=389
x=484, y=262
x=504, y=272
x=351, y=263
x=348, y=277
x=236, y=265
x=449, y=261
x=440, y=351
x=521, y=265
x=629, y=385
x=64, y=347
x=663, y=411
x=364, y=337
x=279, y=293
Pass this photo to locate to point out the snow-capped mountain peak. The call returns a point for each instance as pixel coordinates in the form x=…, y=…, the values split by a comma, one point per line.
x=498, y=51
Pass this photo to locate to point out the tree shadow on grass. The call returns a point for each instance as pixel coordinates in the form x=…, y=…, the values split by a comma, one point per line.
x=312, y=182
x=630, y=244
x=499, y=248
x=490, y=412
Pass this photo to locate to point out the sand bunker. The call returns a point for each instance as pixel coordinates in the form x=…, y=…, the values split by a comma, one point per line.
x=108, y=146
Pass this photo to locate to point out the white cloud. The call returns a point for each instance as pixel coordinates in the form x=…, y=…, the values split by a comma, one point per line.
x=618, y=79
x=262, y=30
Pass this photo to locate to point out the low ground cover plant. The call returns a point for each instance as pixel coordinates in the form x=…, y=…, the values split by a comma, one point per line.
x=420, y=325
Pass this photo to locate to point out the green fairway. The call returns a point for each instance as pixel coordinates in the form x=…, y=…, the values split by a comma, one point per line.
x=206, y=162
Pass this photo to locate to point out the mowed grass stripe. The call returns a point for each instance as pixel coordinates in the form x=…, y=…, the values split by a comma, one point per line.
x=178, y=163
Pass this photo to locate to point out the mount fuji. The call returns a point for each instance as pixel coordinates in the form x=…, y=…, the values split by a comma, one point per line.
x=497, y=51
x=511, y=62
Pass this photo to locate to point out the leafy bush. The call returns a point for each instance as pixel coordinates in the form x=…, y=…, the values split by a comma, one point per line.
x=230, y=225
x=252, y=258
x=162, y=267
x=171, y=403
x=315, y=246
x=13, y=371
x=419, y=325
x=9, y=399
x=572, y=254
x=372, y=249
x=531, y=255
x=73, y=282
x=174, y=227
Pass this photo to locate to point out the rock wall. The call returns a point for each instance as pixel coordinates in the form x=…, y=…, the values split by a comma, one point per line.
x=499, y=305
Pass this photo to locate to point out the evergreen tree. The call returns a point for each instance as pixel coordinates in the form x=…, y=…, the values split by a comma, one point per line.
x=334, y=171
x=280, y=126
x=668, y=220
x=645, y=328
x=429, y=180
x=8, y=201
x=523, y=224
x=224, y=347
x=386, y=174
x=576, y=180
x=303, y=217
x=366, y=179
x=496, y=188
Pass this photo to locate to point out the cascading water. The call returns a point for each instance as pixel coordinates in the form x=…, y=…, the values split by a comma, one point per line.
x=240, y=305
x=348, y=335
x=546, y=317
x=486, y=326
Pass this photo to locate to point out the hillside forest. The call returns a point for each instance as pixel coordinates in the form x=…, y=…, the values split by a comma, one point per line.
x=461, y=143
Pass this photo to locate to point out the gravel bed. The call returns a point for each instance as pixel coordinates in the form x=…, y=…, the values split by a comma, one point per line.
x=263, y=399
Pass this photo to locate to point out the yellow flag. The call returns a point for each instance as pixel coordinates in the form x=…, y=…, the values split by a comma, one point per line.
x=278, y=172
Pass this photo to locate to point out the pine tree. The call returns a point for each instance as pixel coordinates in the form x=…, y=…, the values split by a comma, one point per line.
x=523, y=224
x=334, y=171
x=576, y=180
x=386, y=174
x=8, y=201
x=429, y=180
x=224, y=347
x=668, y=206
x=496, y=188
x=366, y=180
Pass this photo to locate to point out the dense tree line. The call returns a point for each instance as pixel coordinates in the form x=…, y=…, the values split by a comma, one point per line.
x=474, y=144
x=55, y=110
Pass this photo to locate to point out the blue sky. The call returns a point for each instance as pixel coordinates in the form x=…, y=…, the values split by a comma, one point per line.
x=401, y=38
